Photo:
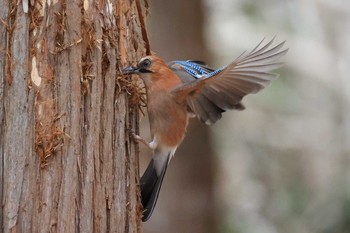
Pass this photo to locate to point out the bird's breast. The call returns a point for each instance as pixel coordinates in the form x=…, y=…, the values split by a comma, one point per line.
x=168, y=119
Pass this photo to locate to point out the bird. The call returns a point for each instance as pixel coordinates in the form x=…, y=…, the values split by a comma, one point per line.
x=179, y=90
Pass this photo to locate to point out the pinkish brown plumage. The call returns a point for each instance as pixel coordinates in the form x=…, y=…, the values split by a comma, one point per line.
x=181, y=89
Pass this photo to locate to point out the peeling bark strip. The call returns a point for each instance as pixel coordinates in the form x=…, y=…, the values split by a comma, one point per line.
x=143, y=26
x=10, y=27
x=48, y=137
x=66, y=162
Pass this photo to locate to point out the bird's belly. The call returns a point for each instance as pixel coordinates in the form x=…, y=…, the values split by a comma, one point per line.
x=168, y=125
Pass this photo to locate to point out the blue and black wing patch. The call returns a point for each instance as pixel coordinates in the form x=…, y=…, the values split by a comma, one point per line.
x=197, y=69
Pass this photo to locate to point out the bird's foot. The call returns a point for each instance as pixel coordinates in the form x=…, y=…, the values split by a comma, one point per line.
x=138, y=138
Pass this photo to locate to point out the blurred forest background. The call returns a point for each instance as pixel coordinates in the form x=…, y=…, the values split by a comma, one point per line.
x=283, y=164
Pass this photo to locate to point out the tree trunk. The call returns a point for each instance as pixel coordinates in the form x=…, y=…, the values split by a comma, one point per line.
x=67, y=163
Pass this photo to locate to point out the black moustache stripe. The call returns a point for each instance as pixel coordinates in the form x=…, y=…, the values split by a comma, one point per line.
x=143, y=70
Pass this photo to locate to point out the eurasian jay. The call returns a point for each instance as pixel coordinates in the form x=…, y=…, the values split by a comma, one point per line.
x=182, y=89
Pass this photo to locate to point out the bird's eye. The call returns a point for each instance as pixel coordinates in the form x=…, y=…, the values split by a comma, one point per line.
x=146, y=63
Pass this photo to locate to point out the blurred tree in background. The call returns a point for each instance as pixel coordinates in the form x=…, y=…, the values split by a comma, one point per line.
x=186, y=201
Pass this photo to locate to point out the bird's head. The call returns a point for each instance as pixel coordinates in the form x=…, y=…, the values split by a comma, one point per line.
x=144, y=66
x=154, y=72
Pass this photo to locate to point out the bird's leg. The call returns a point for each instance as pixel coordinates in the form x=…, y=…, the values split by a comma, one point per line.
x=138, y=138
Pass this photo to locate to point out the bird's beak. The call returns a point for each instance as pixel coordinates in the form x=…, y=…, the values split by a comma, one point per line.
x=130, y=70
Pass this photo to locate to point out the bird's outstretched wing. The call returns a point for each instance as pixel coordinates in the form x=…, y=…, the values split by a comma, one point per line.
x=223, y=89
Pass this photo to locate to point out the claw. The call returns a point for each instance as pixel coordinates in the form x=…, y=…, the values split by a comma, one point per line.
x=138, y=138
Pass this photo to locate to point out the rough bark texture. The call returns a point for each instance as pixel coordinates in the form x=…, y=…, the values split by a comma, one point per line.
x=67, y=164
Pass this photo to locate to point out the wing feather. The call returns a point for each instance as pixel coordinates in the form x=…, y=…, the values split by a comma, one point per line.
x=211, y=95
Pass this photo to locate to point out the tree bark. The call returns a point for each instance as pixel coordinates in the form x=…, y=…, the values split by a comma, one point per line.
x=67, y=163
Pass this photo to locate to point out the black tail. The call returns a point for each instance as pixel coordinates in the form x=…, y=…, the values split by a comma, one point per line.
x=151, y=181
